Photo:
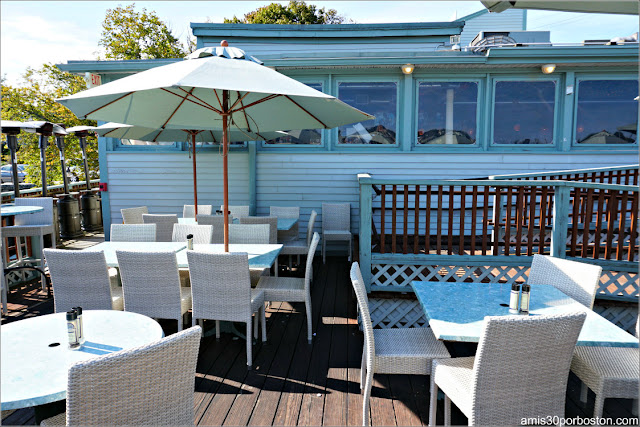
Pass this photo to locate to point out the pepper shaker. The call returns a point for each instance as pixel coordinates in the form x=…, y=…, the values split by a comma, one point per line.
x=78, y=311
x=514, y=299
x=190, y=242
x=526, y=297
x=72, y=330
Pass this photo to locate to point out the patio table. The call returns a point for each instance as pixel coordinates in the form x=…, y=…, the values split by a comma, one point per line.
x=110, y=248
x=12, y=210
x=36, y=357
x=284, y=224
x=260, y=256
x=455, y=311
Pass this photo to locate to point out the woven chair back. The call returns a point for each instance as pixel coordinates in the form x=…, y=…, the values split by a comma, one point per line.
x=310, y=225
x=237, y=210
x=133, y=215
x=44, y=217
x=271, y=221
x=365, y=317
x=257, y=234
x=202, y=234
x=133, y=232
x=164, y=225
x=217, y=221
x=336, y=216
x=189, y=211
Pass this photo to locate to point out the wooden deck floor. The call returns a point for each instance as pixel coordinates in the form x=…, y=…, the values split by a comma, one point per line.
x=294, y=383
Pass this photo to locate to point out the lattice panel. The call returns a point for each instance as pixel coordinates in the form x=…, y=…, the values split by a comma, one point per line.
x=619, y=283
x=625, y=317
x=396, y=313
x=16, y=278
x=403, y=275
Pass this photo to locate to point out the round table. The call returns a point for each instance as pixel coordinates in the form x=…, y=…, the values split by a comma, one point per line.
x=36, y=357
x=11, y=210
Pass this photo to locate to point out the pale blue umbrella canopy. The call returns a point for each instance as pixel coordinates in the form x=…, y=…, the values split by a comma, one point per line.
x=602, y=6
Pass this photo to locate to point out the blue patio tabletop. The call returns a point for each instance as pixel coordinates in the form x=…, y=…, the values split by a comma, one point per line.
x=283, y=223
x=260, y=256
x=110, y=248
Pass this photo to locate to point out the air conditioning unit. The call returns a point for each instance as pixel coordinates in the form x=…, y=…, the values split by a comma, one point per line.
x=454, y=39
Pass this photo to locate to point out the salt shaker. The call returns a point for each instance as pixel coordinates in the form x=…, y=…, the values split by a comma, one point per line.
x=78, y=311
x=72, y=330
x=524, y=300
x=514, y=299
x=190, y=242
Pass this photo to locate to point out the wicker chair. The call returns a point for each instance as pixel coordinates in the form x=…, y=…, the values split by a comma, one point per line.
x=238, y=210
x=300, y=246
x=293, y=289
x=391, y=351
x=221, y=290
x=611, y=372
x=151, y=285
x=202, y=234
x=81, y=278
x=3, y=285
x=147, y=385
x=37, y=224
x=271, y=221
x=218, y=225
x=133, y=232
x=576, y=279
x=520, y=370
x=189, y=211
x=164, y=225
x=336, y=225
x=286, y=212
x=133, y=215
x=257, y=234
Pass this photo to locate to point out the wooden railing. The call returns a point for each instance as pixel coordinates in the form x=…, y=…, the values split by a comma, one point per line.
x=623, y=175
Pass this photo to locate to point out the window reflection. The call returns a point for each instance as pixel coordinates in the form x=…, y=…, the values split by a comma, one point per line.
x=607, y=112
x=447, y=112
x=524, y=112
x=140, y=142
x=377, y=99
x=304, y=136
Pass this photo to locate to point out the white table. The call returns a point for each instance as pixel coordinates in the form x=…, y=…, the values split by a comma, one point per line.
x=36, y=358
x=260, y=256
x=12, y=210
x=110, y=248
x=283, y=223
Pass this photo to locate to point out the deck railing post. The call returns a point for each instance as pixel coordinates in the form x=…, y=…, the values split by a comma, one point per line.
x=364, y=241
x=561, y=207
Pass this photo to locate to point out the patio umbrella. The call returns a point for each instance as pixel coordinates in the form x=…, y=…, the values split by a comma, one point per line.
x=216, y=88
x=619, y=7
x=12, y=128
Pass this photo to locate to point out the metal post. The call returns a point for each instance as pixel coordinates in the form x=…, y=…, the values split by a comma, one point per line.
x=364, y=241
x=43, y=143
x=82, y=139
x=60, y=145
x=12, y=143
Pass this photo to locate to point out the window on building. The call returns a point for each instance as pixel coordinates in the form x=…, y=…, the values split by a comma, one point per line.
x=447, y=112
x=137, y=142
x=607, y=112
x=379, y=100
x=524, y=112
x=301, y=137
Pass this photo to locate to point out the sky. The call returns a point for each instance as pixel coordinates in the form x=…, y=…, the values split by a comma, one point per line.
x=37, y=32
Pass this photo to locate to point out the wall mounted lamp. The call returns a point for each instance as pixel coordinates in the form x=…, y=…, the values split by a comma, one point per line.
x=548, y=68
x=408, y=68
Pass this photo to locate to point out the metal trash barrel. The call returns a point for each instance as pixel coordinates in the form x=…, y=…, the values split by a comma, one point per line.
x=91, y=211
x=69, y=216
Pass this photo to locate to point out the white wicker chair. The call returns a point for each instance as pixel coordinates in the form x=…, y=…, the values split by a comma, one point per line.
x=257, y=234
x=300, y=246
x=576, y=279
x=286, y=212
x=271, y=221
x=202, y=234
x=133, y=215
x=611, y=372
x=151, y=285
x=520, y=370
x=218, y=225
x=81, y=278
x=133, y=233
x=3, y=285
x=336, y=225
x=37, y=224
x=221, y=290
x=391, y=351
x=293, y=289
x=189, y=211
x=238, y=210
x=164, y=225
x=147, y=385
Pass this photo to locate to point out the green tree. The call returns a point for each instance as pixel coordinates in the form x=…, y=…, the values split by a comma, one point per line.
x=296, y=12
x=35, y=99
x=129, y=34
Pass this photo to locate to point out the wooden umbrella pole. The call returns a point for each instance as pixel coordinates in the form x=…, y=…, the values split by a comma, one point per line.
x=195, y=176
x=225, y=171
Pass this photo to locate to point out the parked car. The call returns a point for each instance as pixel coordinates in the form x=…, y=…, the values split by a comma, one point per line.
x=7, y=175
x=72, y=174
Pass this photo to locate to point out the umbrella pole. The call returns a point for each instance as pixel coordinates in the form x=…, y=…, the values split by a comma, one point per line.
x=195, y=177
x=225, y=171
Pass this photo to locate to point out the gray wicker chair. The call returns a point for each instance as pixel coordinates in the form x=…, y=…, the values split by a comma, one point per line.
x=3, y=285
x=164, y=225
x=37, y=224
x=520, y=370
x=286, y=212
x=217, y=221
x=237, y=210
x=133, y=215
x=189, y=211
x=576, y=279
x=202, y=234
x=300, y=246
x=221, y=290
x=81, y=278
x=257, y=234
x=133, y=233
x=271, y=221
x=611, y=372
x=336, y=225
x=293, y=289
x=151, y=285
x=147, y=385
x=391, y=351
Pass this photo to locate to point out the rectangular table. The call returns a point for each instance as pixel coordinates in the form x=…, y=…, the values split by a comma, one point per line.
x=260, y=256
x=109, y=248
x=284, y=224
x=455, y=311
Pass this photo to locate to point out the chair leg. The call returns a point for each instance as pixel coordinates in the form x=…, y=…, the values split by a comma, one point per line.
x=599, y=405
x=42, y=276
x=583, y=392
x=249, y=344
x=309, y=325
x=447, y=410
x=180, y=320
x=349, y=250
x=363, y=371
x=218, y=330
x=634, y=407
x=324, y=250
x=366, y=398
x=264, y=324
x=255, y=325
x=433, y=402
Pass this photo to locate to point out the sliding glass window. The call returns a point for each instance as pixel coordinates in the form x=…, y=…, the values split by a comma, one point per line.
x=300, y=136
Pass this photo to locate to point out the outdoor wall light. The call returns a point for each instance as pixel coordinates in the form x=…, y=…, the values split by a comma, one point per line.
x=548, y=68
x=408, y=68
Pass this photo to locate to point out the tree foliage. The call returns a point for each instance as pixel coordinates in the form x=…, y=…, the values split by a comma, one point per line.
x=35, y=100
x=296, y=12
x=131, y=34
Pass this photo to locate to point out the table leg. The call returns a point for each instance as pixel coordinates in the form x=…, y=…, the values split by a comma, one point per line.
x=49, y=410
